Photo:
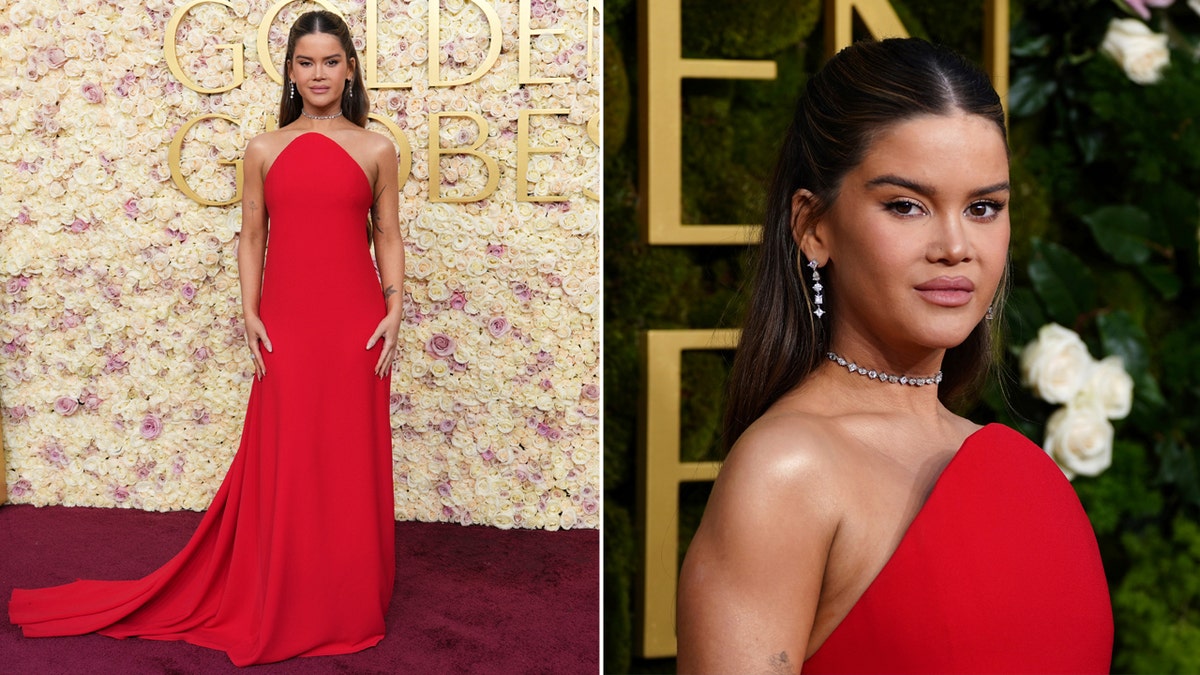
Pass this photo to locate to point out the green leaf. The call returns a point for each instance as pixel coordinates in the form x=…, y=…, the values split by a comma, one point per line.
x=1178, y=468
x=1124, y=232
x=1029, y=93
x=1062, y=282
x=1023, y=316
x=1122, y=336
x=1163, y=279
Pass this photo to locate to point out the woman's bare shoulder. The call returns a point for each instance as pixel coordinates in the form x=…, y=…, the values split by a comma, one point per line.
x=789, y=446
x=269, y=143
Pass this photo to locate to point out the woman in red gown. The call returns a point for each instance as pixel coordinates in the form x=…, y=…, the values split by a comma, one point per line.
x=295, y=556
x=858, y=525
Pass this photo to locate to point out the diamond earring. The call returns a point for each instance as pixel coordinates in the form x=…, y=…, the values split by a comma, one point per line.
x=292, y=91
x=818, y=296
x=991, y=313
x=350, y=88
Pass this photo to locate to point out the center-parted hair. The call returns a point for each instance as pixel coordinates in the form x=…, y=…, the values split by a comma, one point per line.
x=354, y=108
x=862, y=91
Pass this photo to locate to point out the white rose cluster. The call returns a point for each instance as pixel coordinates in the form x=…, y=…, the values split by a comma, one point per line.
x=1059, y=369
x=1141, y=53
x=124, y=380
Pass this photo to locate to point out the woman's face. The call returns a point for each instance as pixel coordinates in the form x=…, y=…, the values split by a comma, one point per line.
x=917, y=238
x=319, y=68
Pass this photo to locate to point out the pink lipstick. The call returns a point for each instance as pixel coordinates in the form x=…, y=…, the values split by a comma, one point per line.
x=947, y=291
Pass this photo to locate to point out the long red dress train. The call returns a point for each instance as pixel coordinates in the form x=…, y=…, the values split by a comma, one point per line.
x=998, y=573
x=295, y=556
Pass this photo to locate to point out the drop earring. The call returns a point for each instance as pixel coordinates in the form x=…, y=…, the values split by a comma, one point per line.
x=292, y=91
x=818, y=296
x=991, y=313
x=350, y=88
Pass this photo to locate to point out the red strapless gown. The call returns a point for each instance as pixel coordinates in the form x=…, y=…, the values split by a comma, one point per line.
x=998, y=573
x=295, y=556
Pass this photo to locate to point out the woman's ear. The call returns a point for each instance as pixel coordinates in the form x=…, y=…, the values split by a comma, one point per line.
x=807, y=231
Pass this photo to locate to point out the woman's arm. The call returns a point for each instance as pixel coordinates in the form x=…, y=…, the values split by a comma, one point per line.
x=751, y=580
x=389, y=251
x=252, y=247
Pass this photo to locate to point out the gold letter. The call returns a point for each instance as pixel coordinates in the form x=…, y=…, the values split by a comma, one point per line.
x=174, y=157
x=878, y=16
x=881, y=21
x=661, y=474
x=526, y=34
x=660, y=42
x=435, y=45
x=593, y=132
x=593, y=9
x=402, y=141
x=264, y=35
x=524, y=150
x=172, y=51
x=371, y=55
x=436, y=151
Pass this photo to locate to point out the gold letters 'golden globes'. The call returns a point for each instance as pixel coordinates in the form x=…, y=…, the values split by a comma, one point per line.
x=526, y=34
x=662, y=70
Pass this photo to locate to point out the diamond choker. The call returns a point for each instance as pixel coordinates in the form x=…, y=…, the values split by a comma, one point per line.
x=882, y=376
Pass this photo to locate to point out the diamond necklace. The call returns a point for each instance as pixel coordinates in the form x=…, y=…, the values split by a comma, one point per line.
x=882, y=376
x=320, y=117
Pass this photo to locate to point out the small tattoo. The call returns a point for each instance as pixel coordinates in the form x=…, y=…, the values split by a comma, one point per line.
x=252, y=205
x=389, y=292
x=780, y=663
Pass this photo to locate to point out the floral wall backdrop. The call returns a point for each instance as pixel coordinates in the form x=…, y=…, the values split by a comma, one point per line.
x=124, y=377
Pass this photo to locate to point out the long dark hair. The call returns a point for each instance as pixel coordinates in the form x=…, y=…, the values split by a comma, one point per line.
x=354, y=107
x=857, y=94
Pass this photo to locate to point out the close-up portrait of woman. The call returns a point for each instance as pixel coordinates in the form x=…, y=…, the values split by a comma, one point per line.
x=927, y=410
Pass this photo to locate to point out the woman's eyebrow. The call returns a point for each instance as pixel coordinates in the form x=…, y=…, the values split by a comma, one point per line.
x=929, y=190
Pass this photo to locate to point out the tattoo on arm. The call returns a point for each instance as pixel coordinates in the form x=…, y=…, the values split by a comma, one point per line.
x=389, y=292
x=375, y=220
x=252, y=205
x=780, y=664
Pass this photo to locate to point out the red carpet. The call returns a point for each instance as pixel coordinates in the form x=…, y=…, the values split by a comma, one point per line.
x=468, y=599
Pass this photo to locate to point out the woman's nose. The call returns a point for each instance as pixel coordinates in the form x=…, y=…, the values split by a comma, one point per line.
x=950, y=244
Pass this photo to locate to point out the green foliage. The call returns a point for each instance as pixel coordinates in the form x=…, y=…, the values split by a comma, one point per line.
x=747, y=30
x=1157, y=605
x=1117, y=263
x=619, y=570
x=617, y=98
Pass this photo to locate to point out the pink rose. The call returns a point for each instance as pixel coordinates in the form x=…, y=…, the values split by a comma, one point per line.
x=91, y=401
x=92, y=93
x=66, y=406
x=440, y=345
x=590, y=391
x=498, y=326
x=151, y=427
x=1142, y=7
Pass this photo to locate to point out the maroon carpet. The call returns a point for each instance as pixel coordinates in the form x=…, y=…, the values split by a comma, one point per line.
x=468, y=599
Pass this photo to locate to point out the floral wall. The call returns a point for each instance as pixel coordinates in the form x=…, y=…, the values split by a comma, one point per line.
x=124, y=374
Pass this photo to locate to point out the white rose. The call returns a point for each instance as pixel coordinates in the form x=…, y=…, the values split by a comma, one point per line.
x=1080, y=440
x=1142, y=53
x=1055, y=364
x=1107, y=388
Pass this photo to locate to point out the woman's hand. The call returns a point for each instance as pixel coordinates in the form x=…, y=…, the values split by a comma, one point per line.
x=256, y=338
x=387, y=330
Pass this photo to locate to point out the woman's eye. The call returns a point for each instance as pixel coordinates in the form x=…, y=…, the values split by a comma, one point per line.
x=903, y=207
x=984, y=210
